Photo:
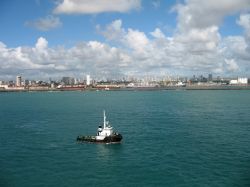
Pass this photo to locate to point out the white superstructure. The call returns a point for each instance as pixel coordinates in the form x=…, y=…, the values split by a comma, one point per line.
x=105, y=134
x=106, y=130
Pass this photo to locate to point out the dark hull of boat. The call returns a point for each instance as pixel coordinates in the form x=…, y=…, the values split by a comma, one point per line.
x=109, y=139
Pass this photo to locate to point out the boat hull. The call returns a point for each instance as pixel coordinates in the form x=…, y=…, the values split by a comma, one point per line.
x=109, y=139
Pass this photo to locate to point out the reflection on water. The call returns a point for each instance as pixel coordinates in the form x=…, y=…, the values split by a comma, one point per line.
x=107, y=152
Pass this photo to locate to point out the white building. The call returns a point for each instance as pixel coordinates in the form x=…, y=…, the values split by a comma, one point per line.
x=242, y=81
x=5, y=86
x=76, y=81
x=18, y=81
x=239, y=81
x=234, y=81
x=88, y=80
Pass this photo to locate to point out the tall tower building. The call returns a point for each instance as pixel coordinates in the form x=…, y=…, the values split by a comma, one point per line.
x=88, y=80
x=18, y=81
x=68, y=80
x=210, y=77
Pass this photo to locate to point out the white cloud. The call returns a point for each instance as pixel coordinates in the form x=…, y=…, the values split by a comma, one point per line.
x=244, y=21
x=201, y=50
x=157, y=33
x=200, y=40
x=195, y=47
x=42, y=60
x=96, y=6
x=136, y=40
x=234, y=46
x=198, y=37
x=231, y=65
x=136, y=55
x=113, y=31
x=132, y=39
x=203, y=14
x=41, y=44
x=45, y=24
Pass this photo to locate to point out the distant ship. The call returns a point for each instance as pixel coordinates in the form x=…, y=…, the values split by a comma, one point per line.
x=105, y=134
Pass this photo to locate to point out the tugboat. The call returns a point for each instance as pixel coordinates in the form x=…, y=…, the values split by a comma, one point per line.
x=105, y=134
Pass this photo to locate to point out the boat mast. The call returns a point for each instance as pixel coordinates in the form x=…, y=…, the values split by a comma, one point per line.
x=104, y=119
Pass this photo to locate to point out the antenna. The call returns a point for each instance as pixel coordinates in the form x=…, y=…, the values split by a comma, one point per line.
x=104, y=119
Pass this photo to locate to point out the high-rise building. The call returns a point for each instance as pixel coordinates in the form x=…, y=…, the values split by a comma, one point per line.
x=26, y=82
x=18, y=80
x=88, y=80
x=210, y=77
x=76, y=81
x=68, y=80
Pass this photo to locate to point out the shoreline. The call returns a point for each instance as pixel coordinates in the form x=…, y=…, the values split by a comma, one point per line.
x=190, y=87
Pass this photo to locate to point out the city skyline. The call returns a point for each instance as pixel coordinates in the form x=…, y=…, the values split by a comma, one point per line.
x=69, y=80
x=42, y=39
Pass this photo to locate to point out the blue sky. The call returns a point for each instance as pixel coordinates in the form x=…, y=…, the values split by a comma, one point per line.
x=76, y=27
x=47, y=38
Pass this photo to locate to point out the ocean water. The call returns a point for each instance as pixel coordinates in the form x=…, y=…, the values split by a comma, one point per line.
x=171, y=138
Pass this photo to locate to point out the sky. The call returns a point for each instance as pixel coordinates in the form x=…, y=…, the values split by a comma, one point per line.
x=116, y=38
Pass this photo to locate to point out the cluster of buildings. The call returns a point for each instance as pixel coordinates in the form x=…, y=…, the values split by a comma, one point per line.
x=74, y=81
x=65, y=83
x=71, y=83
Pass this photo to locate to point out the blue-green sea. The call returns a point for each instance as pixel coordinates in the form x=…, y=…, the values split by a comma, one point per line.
x=171, y=138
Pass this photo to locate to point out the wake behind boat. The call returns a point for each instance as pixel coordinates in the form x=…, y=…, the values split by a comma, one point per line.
x=105, y=134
